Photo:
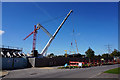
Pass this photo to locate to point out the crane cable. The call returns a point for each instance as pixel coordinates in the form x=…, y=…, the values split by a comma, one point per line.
x=50, y=20
x=55, y=18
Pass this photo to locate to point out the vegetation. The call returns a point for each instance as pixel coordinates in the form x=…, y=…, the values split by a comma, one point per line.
x=105, y=55
x=85, y=65
x=90, y=53
x=50, y=55
x=68, y=67
x=115, y=53
x=113, y=71
x=61, y=68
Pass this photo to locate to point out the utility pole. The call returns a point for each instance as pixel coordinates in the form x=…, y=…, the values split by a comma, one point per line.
x=109, y=48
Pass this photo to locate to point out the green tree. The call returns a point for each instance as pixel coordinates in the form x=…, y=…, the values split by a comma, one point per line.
x=90, y=53
x=119, y=53
x=105, y=55
x=99, y=56
x=51, y=55
x=115, y=53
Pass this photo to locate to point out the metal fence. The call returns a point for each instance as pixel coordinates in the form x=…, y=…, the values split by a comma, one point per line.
x=14, y=63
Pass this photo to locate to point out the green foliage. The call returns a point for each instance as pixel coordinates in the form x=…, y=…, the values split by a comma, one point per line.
x=51, y=55
x=85, y=65
x=63, y=67
x=105, y=55
x=115, y=53
x=99, y=55
x=76, y=67
x=72, y=67
x=90, y=53
x=60, y=68
x=78, y=55
x=67, y=66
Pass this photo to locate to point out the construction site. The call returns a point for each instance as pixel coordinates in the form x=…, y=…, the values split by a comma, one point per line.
x=16, y=59
x=13, y=58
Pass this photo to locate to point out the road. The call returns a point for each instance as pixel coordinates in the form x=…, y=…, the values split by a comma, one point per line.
x=90, y=72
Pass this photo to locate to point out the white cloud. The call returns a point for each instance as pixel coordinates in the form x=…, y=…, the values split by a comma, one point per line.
x=1, y=32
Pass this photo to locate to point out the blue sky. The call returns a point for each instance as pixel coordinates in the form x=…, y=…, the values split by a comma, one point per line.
x=95, y=25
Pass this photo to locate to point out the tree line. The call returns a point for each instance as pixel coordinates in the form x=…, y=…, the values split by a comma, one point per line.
x=90, y=54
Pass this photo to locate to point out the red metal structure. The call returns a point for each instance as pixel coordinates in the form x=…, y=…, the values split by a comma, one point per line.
x=34, y=36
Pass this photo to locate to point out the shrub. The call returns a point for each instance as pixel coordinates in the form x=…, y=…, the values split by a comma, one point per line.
x=61, y=68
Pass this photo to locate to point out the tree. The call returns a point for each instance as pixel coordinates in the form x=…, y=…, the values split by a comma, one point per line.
x=78, y=55
x=90, y=53
x=118, y=53
x=115, y=53
x=99, y=56
x=105, y=55
x=51, y=55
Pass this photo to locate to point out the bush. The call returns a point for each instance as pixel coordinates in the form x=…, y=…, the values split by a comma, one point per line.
x=76, y=67
x=71, y=67
x=61, y=68
x=67, y=67
x=91, y=64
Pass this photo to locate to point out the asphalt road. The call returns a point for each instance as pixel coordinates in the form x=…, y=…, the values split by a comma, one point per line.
x=90, y=72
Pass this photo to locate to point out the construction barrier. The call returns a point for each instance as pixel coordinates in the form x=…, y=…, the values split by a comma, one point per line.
x=74, y=63
x=14, y=63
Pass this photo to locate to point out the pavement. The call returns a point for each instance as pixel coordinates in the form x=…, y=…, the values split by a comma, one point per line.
x=3, y=73
x=53, y=72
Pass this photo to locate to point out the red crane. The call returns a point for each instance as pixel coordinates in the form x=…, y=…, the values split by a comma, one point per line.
x=34, y=35
x=51, y=37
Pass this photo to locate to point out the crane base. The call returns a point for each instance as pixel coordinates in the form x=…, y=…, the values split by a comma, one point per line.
x=34, y=53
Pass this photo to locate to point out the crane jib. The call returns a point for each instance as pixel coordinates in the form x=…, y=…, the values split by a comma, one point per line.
x=51, y=39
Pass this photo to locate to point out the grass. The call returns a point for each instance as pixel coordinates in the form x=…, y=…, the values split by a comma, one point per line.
x=68, y=67
x=113, y=71
x=63, y=67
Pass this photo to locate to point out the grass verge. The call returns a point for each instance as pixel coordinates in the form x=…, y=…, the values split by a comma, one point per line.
x=113, y=71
